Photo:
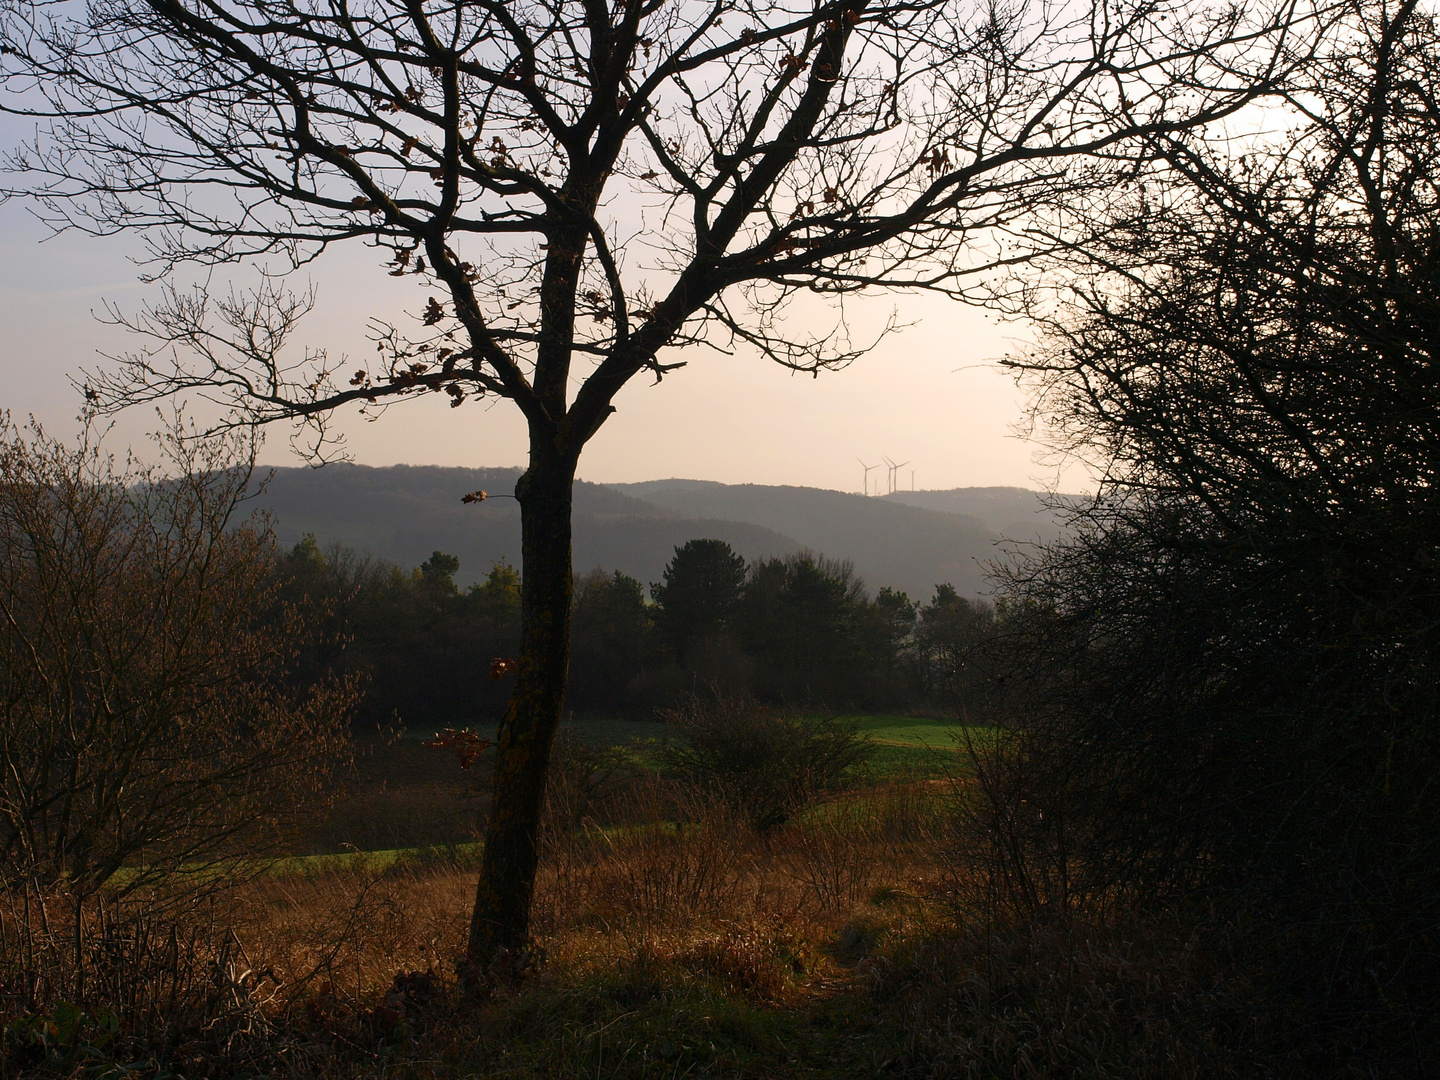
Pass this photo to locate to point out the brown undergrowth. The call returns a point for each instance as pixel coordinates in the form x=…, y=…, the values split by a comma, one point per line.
x=670, y=942
x=330, y=968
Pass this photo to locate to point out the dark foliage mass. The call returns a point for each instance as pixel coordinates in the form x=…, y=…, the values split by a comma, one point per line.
x=611, y=639
x=699, y=594
x=424, y=647
x=1224, y=687
x=799, y=630
x=760, y=762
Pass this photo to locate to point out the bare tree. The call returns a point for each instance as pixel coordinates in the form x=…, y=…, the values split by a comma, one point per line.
x=148, y=731
x=585, y=185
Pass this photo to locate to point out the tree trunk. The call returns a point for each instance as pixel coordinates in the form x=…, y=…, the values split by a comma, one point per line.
x=501, y=920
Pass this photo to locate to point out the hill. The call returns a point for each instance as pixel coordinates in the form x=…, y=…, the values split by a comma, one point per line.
x=909, y=540
x=906, y=547
x=1014, y=513
x=405, y=512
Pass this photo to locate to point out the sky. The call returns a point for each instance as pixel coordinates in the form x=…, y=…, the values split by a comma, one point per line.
x=931, y=395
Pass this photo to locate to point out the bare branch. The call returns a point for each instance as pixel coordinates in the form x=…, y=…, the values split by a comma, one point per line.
x=829, y=146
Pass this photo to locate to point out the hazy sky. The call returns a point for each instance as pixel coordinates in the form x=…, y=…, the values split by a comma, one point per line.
x=929, y=394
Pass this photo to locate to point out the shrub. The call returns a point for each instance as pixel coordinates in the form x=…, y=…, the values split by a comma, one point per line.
x=764, y=764
x=1223, y=683
x=149, y=724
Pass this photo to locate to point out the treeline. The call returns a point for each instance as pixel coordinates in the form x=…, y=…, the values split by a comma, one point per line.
x=798, y=630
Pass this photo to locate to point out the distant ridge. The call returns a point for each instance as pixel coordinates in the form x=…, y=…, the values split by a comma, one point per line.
x=1012, y=512
x=910, y=540
x=912, y=548
x=404, y=512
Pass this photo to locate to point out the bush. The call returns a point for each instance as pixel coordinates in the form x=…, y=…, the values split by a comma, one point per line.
x=764, y=764
x=153, y=739
x=149, y=725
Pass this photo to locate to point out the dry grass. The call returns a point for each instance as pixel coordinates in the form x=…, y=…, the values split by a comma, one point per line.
x=676, y=945
x=668, y=898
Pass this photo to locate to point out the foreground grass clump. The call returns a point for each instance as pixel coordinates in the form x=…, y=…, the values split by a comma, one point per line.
x=1059, y=1000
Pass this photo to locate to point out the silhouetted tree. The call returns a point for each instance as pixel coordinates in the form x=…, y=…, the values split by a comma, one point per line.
x=697, y=595
x=612, y=628
x=952, y=642
x=887, y=629
x=1233, y=663
x=437, y=573
x=423, y=648
x=802, y=619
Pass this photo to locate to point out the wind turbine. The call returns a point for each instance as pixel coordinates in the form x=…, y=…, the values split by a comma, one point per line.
x=894, y=468
x=895, y=476
x=867, y=475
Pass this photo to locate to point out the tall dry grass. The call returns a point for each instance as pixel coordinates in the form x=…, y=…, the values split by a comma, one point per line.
x=86, y=986
x=284, y=972
x=674, y=943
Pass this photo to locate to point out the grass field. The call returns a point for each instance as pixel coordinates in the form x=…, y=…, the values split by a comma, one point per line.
x=905, y=746
x=408, y=805
x=386, y=860
x=912, y=746
x=918, y=745
x=914, y=731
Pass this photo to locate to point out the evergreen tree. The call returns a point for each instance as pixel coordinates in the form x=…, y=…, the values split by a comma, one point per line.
x=610, y=639
x=699, y=595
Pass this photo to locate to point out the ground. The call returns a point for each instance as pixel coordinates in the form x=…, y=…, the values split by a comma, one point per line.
x=673, y=945
x=670, y=942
